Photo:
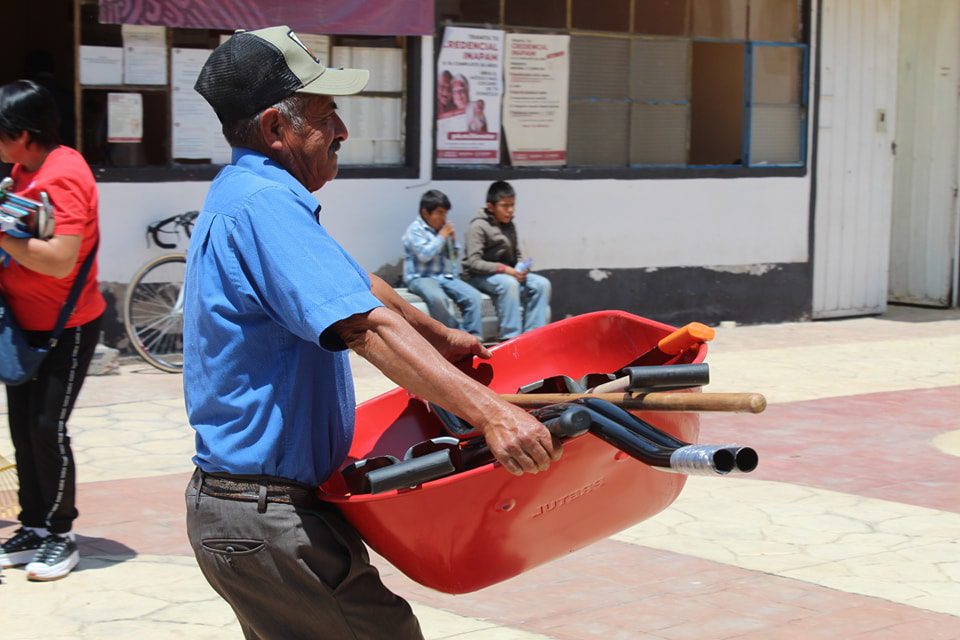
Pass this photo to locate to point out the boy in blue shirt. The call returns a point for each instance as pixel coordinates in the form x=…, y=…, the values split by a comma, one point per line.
x=431, y=269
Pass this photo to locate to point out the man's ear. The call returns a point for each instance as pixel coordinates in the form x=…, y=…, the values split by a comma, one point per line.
x=271, y=127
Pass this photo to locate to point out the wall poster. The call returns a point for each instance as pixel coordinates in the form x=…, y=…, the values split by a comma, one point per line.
x=537, y=70
x=469, y=90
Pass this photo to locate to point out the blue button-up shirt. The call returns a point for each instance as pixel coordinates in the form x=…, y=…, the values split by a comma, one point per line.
x=264, y=280
x=428, y=254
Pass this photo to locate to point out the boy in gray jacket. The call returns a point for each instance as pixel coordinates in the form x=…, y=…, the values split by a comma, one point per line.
x=494, y=265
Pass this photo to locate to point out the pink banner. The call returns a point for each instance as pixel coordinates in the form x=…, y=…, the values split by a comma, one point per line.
x=327, y=17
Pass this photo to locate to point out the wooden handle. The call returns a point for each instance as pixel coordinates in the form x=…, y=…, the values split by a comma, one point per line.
x=654, y=401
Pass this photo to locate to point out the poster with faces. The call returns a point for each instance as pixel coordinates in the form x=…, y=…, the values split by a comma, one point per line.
x=469, y=89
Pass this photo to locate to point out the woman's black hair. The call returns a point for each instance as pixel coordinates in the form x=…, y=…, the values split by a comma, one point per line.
x=28, y=106
x=433, y=199
x=500, y=190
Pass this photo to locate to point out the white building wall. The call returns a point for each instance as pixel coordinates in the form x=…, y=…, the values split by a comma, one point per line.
x=572, y=224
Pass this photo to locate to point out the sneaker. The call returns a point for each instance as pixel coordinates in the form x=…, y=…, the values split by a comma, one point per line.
x=56, y=558
x=20, y=549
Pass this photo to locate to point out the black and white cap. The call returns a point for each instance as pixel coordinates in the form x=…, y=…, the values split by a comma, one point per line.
x=255, y=69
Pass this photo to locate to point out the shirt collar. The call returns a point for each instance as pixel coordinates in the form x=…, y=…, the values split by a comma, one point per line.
x=263, y=166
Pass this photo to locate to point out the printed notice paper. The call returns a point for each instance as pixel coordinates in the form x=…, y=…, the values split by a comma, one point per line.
x=196, y=130
x=124, y=117
x=144, y=54
x=101, y=65
x=537, y=74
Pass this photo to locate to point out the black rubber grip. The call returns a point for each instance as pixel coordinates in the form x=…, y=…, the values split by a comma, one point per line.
x=571, y=422
x=410, y=473
x=669, y=375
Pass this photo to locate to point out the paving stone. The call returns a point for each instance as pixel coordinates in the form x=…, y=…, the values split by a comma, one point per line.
x=848, y=529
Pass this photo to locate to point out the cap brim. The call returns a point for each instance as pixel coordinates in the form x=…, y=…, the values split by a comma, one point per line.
x=338, y=82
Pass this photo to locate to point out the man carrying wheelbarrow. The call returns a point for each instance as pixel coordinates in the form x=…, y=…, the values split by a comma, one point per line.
x=272, y=304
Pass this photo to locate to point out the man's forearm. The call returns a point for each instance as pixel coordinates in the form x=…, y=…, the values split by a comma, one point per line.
x=403, y=355
x=423, y=323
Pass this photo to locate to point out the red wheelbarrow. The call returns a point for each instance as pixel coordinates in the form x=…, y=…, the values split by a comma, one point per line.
x=466, y=531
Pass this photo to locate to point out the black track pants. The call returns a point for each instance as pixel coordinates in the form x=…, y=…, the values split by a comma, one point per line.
x=38, y=412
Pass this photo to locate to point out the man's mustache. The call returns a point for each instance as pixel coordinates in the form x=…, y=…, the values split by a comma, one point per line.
x=335, y=146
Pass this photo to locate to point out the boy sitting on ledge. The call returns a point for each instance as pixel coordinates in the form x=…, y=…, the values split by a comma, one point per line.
x=431, y=269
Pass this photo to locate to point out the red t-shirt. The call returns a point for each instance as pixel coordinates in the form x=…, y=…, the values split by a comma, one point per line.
x=36, y=299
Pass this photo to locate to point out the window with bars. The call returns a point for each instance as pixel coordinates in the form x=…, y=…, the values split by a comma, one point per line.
x=671, y=83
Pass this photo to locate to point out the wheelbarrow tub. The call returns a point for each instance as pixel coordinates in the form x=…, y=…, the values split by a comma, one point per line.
x=467, y=531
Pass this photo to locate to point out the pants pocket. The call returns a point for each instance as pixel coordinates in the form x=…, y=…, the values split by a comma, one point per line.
x=231, y=547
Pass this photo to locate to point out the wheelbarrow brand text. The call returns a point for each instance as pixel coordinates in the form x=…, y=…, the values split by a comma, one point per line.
x=553, y=505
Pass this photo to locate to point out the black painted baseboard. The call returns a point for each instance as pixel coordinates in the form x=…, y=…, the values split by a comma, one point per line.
x=676, y=295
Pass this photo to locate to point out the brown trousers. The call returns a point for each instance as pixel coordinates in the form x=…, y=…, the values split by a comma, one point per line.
x=291, y=572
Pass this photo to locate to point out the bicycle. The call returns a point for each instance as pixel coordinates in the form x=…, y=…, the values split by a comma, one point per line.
x=153, y=306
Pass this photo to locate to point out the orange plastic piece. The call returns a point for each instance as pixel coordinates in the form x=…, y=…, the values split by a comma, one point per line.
x=687, y=336
x=473, y=529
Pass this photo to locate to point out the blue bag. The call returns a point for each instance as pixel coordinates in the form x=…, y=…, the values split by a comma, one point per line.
x=18, y=360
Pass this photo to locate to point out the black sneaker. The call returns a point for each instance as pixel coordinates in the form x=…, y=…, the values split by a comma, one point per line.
x=20, y=549
x=55, y=559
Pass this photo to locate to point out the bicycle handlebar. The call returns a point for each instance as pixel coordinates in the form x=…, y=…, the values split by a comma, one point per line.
x=181, y=220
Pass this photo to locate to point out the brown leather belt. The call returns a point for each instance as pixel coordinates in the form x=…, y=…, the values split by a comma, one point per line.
x=260, y=490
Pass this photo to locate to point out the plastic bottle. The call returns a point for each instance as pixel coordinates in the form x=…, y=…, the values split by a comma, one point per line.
x=452, y=253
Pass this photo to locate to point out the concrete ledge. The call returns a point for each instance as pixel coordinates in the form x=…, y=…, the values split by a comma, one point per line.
x=491, y=324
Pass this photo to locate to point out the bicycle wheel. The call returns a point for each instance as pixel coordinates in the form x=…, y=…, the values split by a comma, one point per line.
x=153, y=311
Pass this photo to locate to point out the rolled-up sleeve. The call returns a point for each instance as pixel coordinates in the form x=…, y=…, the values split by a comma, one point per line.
x=296, y=271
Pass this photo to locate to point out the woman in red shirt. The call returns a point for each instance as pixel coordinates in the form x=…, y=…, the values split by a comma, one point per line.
x=35, y=284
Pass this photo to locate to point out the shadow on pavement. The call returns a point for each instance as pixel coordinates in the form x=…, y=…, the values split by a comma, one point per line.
x=95, y=553
x=912, y=313
x=117, y=551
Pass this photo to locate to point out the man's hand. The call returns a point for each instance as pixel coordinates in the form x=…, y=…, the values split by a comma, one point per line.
x=519, y=442
x=455, y=345
x=447, y=231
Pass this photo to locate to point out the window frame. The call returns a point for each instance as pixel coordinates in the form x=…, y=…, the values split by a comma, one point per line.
x=647, y=171
x=803, y=103
x=192, y=172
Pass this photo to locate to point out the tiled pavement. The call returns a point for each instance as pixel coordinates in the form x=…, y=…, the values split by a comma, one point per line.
x=848, y=529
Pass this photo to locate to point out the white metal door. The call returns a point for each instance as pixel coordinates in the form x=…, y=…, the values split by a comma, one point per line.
x=923, y=245
x=855, y=158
